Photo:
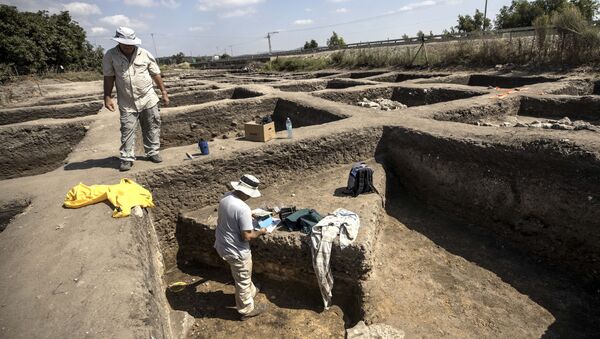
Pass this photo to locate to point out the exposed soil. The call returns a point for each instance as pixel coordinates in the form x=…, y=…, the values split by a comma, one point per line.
x=486, y=231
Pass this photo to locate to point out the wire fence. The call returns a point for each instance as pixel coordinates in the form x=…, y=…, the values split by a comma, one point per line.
x=492, y=34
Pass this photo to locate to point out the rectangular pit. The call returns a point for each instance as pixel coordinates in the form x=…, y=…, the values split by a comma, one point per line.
x=317, y=85
x=528, y=108
x=63, y=111
x=410, y=96
x=188, y=125
x=37, y=149
x=203, y=96
x=501, y=189
x=490, y=80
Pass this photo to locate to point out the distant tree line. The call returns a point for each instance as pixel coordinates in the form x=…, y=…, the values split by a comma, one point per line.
x=38, y=42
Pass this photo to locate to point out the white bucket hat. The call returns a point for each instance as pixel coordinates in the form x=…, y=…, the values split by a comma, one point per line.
x=248, y=185
x=126, y=36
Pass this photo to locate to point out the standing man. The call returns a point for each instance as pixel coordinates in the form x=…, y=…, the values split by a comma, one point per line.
x=232, y=236
x=132, y=69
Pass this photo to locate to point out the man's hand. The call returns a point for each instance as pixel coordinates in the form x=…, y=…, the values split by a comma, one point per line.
x=165, y=98
x=109, y=104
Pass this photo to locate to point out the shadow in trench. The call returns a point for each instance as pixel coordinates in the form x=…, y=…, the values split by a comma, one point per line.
x=217, y=303
x=574, y=307
x=109, y=162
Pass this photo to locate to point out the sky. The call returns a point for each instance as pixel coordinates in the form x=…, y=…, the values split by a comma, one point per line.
x=208, y=27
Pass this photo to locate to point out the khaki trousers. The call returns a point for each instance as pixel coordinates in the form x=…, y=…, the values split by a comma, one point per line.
x=245, y=291
x=149, y=119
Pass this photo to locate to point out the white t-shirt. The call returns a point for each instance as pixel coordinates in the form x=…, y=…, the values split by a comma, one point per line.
x=235, y=217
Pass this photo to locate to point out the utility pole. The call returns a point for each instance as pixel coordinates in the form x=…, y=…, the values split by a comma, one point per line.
x=484, y=15
x=154, y=43
x=269, y=38
x=231, y=49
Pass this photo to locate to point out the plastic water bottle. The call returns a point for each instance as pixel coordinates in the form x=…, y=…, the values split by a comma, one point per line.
x=288, y=127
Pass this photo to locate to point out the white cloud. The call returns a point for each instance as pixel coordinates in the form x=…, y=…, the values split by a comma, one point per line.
x=238, y=13
x=453, y=2
x=153, y=3
x=341, y=10
x=416, y=5
x=337, y=1
x=308, y=9
x=81, y=8
x=98, y=31
x=122, y=20
x=303, y=22
x=201, y=28
x=209, y=5
x=141, y=3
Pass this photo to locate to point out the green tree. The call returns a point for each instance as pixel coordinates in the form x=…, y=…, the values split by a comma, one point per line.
x=522, y=13
x=311, y=45
x=336, y=41
x=468, y=24
x=405, y=36
x=36, y=42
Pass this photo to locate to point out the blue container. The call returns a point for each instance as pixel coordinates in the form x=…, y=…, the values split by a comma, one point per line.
x=203, y=146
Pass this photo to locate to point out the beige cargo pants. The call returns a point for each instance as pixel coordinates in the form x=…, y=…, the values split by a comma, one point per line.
x=149, y=119
x=245, y=291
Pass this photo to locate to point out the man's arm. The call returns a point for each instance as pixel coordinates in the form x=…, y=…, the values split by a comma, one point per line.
x=249, y=235
x=109, y=83
x=158, y=80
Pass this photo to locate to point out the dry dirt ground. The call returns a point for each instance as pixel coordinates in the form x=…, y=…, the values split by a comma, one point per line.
x=442, y=263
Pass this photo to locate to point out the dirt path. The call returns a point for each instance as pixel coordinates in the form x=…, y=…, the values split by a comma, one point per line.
x=453, y=280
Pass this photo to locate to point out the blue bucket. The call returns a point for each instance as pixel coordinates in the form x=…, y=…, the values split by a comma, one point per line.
x=203, y=146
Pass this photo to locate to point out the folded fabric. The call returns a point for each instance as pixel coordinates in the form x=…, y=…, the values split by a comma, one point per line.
x=123, y=196
x=343, y=223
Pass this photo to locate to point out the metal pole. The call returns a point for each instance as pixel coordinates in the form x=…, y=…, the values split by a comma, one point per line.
x=154, y=43
x=484, y=15
x=269, y=38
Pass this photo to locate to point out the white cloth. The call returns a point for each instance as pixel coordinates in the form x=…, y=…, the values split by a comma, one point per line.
x=343, y=223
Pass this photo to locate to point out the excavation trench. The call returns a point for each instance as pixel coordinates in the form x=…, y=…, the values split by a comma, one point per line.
x=226, y=119
x=63, y=111
x=409, y=96
x=317, y=85
x=203, y=96
x=37, y=149
x=489, y=80
x=529, y=108
x=501, y=190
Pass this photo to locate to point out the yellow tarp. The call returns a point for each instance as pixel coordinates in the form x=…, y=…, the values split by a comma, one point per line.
x=123, y=196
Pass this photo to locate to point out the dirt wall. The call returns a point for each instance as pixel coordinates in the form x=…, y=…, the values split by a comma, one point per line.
x=36, y=149
x=187, y=127
x=475, y=113
x=301, y=115
x=557, y=107
x=66, y=111
x=542, y=194
x=9, y=209
x=202, y=183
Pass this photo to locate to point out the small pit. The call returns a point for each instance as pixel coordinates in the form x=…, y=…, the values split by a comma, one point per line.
x=187, y=125
x=9, y=210
x=409, y=96
x=404, y=76
x=489, y=80
x=317, y=85
x=361, y=75
x=203, y=96
x=64, y=111
x=37, y=149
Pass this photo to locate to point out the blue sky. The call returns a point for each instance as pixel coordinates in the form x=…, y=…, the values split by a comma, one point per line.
x=202, y=27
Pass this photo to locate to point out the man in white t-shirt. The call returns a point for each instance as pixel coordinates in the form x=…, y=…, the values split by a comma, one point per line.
x=232, y=236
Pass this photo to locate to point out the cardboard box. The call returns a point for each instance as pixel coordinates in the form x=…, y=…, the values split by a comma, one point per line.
x=257, y=132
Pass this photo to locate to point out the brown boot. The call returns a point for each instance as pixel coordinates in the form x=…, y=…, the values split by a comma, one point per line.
x=258, y=309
